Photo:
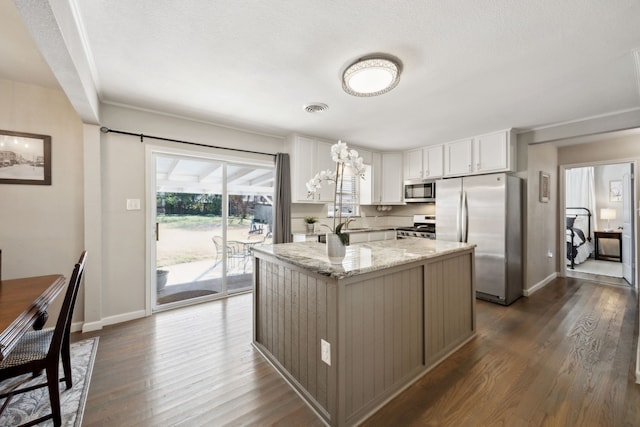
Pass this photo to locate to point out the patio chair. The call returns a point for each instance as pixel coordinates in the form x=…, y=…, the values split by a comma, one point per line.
x=235, y=252
x=256, y=228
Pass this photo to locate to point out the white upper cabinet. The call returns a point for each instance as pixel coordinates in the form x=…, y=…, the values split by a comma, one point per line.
x=432, y=161
x=370, y=185
x=413, y=164
x=423, y=163
x=493, y=152
x=458, y=157
x=308, y=156
x=391, y=176
x=324, y=162
x=382, y=183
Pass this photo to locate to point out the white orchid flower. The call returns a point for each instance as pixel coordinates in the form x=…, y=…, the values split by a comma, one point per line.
x=344, y=157
x=357, y=166
x=339, y=152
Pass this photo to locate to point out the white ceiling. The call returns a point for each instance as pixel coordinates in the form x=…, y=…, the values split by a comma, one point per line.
x=469, y=67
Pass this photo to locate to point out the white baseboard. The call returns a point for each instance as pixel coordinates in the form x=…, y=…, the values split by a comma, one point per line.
x=76, y=326
x=539, y=285
x=112, y=320
x=91, y=326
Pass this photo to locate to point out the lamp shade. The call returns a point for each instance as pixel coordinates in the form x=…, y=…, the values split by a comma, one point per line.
x=607, y=213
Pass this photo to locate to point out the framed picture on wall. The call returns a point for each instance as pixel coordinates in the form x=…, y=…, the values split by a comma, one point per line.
x=545, y=187
x=25, y=158
x=615, y=191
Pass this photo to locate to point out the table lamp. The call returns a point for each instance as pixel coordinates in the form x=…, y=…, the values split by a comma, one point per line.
x=608, y=214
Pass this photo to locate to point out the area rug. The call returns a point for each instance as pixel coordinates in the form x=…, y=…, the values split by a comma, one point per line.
x=35, y=404
x=179, y=296
x=602, y=268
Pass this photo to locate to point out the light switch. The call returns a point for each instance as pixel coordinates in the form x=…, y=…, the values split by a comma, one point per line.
x=133, y=204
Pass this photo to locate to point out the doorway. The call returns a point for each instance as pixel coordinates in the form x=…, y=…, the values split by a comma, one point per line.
x=598, y=203
x=208, y=213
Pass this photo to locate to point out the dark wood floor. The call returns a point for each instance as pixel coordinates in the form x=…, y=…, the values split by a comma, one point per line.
x=563, y=357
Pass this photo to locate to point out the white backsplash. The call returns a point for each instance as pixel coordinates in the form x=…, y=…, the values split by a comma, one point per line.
x=397, y=216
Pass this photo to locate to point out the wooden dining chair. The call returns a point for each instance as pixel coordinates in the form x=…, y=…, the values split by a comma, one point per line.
x=41, y=350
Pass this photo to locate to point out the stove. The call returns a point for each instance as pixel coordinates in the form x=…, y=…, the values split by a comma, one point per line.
x=424, y=226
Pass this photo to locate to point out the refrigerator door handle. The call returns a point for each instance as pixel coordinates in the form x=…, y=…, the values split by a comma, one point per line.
x=459, y=218
x=465, y=218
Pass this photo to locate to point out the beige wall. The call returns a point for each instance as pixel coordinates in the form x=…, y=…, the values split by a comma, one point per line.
x=41, y=229
x=541, y=218
x=609, y=150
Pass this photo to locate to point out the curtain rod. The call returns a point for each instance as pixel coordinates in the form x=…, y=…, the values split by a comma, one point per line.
x=142, y=136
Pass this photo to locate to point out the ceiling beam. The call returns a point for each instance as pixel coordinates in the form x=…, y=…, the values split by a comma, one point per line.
x=172, y=167
x=263, y=179
x=210, y=170
x=54, y=30
x=239, y=174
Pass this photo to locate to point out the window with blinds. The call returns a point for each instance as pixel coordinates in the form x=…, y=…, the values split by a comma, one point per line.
x=350, y=196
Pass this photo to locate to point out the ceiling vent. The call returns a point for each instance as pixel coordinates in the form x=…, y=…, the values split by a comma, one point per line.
x=316, y=108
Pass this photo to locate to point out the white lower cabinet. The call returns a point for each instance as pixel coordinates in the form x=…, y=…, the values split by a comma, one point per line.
x=372, y=236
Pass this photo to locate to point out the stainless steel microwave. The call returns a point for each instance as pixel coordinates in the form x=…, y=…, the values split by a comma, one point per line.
x=417, y=191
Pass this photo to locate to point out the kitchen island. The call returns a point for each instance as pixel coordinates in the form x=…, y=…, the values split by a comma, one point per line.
x=351, y=336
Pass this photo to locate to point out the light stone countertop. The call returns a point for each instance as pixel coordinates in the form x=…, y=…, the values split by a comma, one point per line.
x=361, y=257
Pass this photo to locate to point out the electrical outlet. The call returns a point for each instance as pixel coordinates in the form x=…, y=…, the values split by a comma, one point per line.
x=549, y=254
x=325, y=352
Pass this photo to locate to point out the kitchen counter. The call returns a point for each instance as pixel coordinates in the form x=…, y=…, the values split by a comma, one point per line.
x=349, y=337
x=361, y=258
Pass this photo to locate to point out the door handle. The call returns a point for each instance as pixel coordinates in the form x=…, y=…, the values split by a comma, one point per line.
x=465, y=218
x=459, y=218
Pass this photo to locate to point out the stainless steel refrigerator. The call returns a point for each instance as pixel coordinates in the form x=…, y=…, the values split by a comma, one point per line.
x=486, y=210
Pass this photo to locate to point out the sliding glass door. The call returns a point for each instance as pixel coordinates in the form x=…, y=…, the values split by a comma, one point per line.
x=208, y=215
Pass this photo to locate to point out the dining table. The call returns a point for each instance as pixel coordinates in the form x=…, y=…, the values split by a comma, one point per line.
x=23, y=306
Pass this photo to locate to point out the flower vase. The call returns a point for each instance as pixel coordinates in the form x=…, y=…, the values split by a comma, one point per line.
x=310, y=228
x=336, y=250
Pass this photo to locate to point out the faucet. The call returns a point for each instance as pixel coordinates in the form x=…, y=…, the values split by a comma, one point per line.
x=346, y=223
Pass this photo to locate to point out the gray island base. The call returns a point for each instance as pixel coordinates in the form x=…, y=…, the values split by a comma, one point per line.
x=349, y=337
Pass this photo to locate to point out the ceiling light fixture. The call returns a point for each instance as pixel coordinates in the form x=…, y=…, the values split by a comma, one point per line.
x=371, y=75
